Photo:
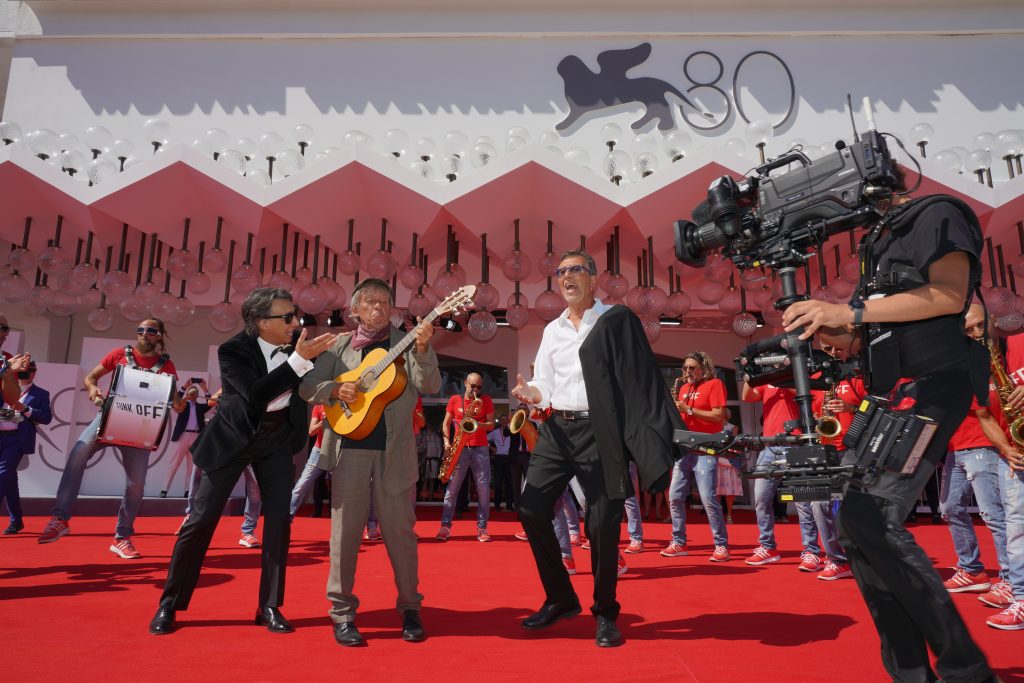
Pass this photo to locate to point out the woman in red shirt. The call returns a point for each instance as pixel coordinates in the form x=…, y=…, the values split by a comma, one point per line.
x=701, y=403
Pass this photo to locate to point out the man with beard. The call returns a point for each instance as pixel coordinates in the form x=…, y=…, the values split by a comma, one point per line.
x=148, y=354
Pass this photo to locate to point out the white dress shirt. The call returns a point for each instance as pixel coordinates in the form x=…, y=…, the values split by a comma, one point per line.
x=557, y=371
x=299, y=364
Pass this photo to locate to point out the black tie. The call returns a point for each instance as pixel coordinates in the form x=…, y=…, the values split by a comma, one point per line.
x=279, y=349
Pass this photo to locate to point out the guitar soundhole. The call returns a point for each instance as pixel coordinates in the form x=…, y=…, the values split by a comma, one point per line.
x=368, y=381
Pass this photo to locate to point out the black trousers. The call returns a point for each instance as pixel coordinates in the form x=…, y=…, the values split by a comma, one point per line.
x=271, y=461
x=911, y=609
x=502, y=481
x=567, y=449
x=519, y=463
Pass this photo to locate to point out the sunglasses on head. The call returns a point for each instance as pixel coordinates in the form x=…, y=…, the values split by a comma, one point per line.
x=574, y=270
x=146, y=329
x=286, y=317
x=5, y=328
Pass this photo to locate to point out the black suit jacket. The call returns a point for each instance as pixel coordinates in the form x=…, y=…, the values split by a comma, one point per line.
x=181, y=421
x=632, y=413
x=247, y=390
x=38, y=399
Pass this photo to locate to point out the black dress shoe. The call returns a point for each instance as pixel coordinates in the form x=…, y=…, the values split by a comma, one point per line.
x=550, y=613
x=412, y=627
x=14, y=528
x=163, y=622
x=347, y=634
x=272, y=618
x=608, y=634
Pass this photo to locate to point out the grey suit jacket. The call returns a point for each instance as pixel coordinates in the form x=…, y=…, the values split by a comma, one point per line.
x=402, y=467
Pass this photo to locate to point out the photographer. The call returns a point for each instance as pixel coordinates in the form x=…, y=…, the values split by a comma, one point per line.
x=924, y=259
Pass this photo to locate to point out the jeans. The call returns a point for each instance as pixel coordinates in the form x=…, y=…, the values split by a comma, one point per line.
x=977, y=469
x=479, y=460
x=306, y=480
x=561, y=522
x=1011, y=491
x=633, y=524
x=10, y=457
x=135, y=462
x=705, y=470
x=253, y=499
x=764, y=494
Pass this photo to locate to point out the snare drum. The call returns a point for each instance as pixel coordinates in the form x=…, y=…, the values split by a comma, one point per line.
x=136, y=409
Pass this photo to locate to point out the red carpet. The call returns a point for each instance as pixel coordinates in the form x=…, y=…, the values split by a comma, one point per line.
x=74, y=610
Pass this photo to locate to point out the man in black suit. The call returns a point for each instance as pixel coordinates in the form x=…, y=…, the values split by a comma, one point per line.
x=19, y=439
x=260, y=422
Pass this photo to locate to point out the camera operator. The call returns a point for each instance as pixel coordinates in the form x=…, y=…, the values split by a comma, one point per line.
x=924, y=259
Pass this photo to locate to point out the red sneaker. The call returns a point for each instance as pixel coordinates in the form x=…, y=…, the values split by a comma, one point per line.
x=622, y=564
x=763, y=555
x=1010, y=619
x=570, y=565
x=373, y=534
x=123, y=548
x=483, y=536
x=522, y=536
x=635, y=547
x=443, y=534
x=584, y=542
x=675, y=550
x=575, y=540
x=833, y=571
x=249, y=541
x=963, y=582
x=1000, y=595
x=721, y=554
x=809, y=562
x=55, y=528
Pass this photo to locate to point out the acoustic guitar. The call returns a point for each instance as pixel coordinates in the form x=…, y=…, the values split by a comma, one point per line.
x=381, y=377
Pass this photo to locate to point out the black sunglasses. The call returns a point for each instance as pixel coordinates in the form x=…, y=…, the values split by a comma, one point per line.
x=476, y=386
x=5, y=328
x=286, y=317
x=574, y=269
x=142, y=329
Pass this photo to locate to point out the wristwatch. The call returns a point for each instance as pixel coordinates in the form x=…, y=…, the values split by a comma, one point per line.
x=689, y=410
x=857, y=306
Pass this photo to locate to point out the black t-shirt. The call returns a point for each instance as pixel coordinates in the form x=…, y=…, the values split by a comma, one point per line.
x=922, y=347
x=377, y=440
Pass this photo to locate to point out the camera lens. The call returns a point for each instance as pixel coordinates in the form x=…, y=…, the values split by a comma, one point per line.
x=693, y=242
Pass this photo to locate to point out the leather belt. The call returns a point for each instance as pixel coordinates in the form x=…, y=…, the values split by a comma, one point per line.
x=572, y=415
x=192, y=431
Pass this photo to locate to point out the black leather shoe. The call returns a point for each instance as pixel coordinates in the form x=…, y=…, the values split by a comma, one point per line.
x=14, y=528
x=272, y=618
x=608, y=634
x=550, y=613
x=163, y=622
x=347, y=634
x=412, y=627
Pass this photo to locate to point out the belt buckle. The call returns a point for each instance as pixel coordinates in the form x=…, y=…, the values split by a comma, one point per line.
x=569, y=415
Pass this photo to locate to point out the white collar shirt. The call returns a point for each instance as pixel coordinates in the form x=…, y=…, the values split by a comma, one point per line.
x=299, y=364
x=557, y=371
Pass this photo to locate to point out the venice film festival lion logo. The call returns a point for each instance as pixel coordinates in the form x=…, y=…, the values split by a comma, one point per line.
x=588, y=91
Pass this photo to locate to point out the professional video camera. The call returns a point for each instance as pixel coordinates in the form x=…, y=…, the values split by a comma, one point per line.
x=775, y=222
x=761, y=219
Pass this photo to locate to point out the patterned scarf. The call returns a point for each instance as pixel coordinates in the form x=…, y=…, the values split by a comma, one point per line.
x=364, y=337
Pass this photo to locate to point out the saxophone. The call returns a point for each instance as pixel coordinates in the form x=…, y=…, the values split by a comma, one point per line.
x=1004, y=386
x=829, y=427
x=467, y=425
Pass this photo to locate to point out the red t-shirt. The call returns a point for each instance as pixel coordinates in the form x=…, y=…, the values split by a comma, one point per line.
x=707, y=395
x=779, y=407
x=1015, y=358
x=969, y=434
x=851, y=391
x=479, y=437
x=117, y=357
x=319, y=413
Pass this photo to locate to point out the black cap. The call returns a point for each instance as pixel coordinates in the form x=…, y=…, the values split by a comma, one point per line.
x=374, y=282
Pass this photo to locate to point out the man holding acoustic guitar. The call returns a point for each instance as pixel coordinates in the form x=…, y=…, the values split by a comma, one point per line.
x=370, y=381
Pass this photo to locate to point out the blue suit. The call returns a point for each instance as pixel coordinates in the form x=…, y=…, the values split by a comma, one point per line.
x=18, y=443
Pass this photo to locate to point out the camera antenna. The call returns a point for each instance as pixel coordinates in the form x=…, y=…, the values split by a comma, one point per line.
x=853, y=123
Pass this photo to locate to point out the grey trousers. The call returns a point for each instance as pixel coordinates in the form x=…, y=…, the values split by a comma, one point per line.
x=357, y=474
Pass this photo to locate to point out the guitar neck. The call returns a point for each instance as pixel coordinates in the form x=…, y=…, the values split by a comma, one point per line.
x=402, y=345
